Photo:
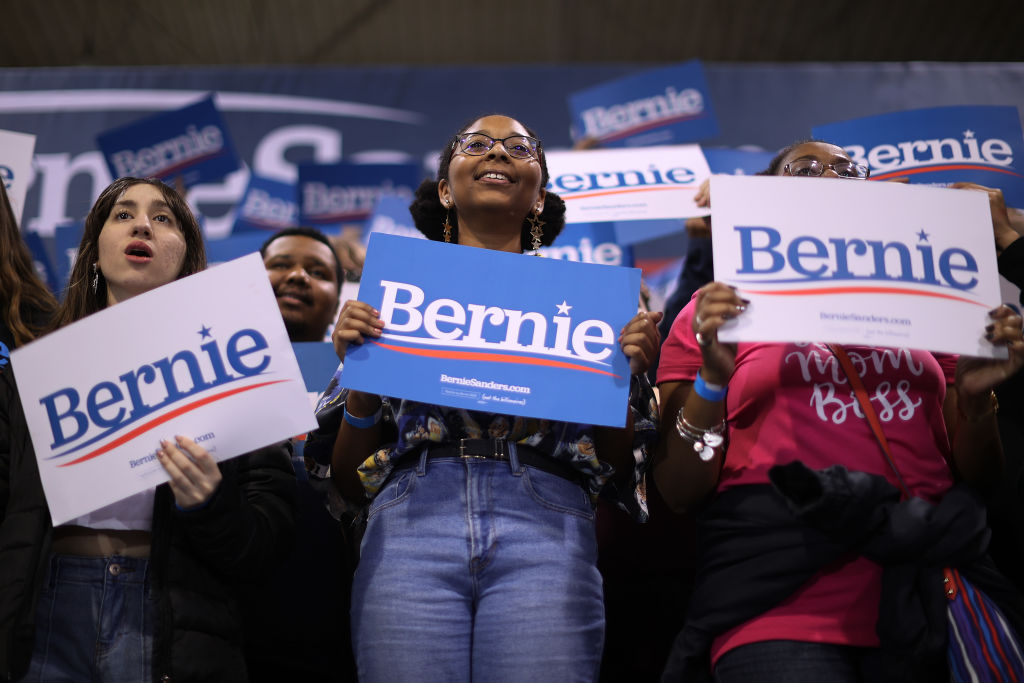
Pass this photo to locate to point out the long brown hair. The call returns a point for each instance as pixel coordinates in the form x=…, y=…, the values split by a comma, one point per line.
x=80, y=299
x=27, y=303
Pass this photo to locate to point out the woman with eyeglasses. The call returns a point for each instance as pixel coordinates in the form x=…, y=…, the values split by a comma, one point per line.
x=479, y=555
x=777, y=598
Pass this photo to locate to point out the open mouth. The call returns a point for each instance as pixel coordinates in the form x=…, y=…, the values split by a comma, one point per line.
x=139, y=252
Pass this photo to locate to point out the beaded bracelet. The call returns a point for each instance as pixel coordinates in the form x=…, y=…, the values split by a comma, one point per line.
x=363, y=422
x=709, y=392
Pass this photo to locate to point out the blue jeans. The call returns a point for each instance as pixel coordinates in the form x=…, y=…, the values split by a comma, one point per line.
x=478, y=570
x=94, y=621
x=791, y=661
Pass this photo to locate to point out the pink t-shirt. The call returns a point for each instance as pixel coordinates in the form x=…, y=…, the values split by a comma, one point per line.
x=791, y=402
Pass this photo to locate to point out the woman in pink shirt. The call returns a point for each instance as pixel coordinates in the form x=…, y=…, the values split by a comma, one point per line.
x=792, y=402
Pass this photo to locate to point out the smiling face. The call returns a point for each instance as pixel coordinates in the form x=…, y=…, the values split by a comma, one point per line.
x=141, y=245
x=301, y=271
x=492, y=191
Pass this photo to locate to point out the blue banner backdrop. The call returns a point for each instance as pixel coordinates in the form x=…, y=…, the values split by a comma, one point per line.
x=282, y=116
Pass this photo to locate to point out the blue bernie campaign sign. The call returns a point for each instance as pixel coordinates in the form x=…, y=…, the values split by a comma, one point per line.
x=589, y=243
x=41, y=259
x=736, y=161
x=664, y=106
x=635, y=232
x=334, y=194
x=720, y=160
x=391, y=217
x=458, y=333
x=938, y=146
x=317, y=363
x=66, y=239
x=236, y=246
x=192, y=143
x=267, y=206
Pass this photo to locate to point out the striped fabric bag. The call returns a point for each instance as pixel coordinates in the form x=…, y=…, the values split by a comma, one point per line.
x=983, y=646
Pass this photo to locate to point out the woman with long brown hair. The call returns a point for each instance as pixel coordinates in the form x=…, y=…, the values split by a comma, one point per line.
x=25, y=303
x=142, y=588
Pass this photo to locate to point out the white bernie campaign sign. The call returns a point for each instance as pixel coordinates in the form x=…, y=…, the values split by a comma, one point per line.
x=644, y=183
x=16, y=167
x=206, y=357
x=855, y=262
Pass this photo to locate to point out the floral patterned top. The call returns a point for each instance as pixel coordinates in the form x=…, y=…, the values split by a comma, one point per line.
x=413, y=424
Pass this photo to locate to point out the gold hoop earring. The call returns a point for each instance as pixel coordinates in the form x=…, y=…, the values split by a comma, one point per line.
x=536, y=229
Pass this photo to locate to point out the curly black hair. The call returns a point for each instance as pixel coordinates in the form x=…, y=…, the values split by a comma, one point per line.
x=776, y=162
x=428, y=214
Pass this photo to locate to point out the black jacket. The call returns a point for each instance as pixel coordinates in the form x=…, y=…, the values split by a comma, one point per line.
x=758, y=547
x=197, y=559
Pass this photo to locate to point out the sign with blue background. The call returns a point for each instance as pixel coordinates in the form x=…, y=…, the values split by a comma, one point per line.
x=664, y=106
x=192, y=143
x=335, y=194
x=736, y=161
x=267, y=205
x=391, y=216
x=589, y=243
x=941, y=145
x=457, y=333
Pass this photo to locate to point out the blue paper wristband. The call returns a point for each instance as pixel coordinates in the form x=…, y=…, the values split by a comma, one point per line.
x=363, y=422
x=706, y=392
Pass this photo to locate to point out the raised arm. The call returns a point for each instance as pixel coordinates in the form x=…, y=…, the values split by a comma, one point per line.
x=682, y=476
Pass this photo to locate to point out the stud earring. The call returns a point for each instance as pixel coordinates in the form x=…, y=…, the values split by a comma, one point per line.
x=95, y=277
x=536, y=229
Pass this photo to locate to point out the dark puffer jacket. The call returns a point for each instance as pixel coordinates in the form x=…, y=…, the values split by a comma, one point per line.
x=198, y=558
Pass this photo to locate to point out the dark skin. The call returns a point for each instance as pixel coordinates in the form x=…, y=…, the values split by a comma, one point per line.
x=686, y=481
x=492, y=193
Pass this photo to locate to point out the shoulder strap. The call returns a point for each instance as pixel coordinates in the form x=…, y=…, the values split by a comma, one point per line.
x=869, y=411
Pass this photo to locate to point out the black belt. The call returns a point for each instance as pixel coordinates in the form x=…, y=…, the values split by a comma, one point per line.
x=493, y=449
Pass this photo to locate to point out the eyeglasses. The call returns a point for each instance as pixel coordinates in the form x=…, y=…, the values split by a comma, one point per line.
x=517, y=146
x=814, y=168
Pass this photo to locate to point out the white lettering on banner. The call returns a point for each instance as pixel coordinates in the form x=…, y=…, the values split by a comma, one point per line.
x=270, y=159
x=167, y=154
x=916, y=153
x=602, y=122
x=452, y=316
x=321, y=199
x=262, y=207
x=605, y=253
x=569, y=183
x=56, y=173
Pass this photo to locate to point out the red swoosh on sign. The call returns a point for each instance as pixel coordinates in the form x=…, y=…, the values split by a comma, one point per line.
x=155, y=422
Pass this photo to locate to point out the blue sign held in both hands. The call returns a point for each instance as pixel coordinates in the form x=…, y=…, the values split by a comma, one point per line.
x=494, y=331
x=191, y=143
x=938, y=146
x=664, y=106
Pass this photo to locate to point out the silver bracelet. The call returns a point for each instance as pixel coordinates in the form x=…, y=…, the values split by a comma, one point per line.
x=705, y=441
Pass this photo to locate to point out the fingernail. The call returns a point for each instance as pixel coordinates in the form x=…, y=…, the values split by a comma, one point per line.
x=994, y=310
x=989, y=336
x=745, y=301
x=990, y=328
x=741, y=308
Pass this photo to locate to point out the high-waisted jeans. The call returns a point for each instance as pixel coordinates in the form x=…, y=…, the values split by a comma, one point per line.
x=94, y=621
x=478, y=570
